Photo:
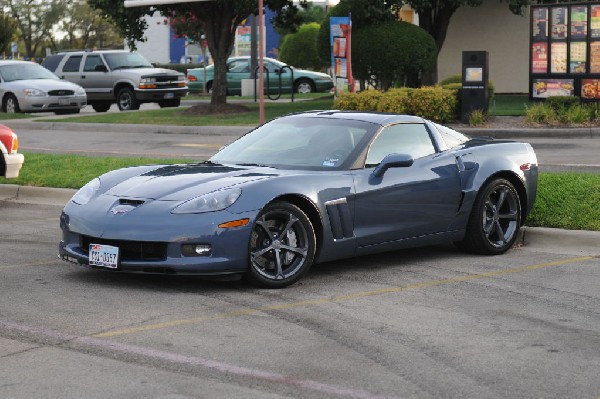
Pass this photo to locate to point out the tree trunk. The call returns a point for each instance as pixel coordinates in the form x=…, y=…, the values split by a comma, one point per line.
x=436, y=22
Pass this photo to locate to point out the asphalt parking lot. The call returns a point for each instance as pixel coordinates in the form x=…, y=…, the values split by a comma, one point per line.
x=425, y=323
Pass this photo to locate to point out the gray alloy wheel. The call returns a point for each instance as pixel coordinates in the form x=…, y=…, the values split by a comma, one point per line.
x=304, y=86
x=495, y=219
x=126, y=100
x=11, y=105
x=282, y=246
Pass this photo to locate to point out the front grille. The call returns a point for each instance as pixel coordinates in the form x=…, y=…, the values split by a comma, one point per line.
x=166, y=79
x=61, y=93
x=130, y=250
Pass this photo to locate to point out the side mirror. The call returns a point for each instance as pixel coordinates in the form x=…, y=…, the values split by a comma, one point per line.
x=393, y=161
x=100, y=68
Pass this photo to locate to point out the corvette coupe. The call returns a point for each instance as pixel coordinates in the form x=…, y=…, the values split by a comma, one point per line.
x=303, y=189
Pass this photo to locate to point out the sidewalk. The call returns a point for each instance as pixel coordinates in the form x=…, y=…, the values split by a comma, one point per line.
x=559, y=241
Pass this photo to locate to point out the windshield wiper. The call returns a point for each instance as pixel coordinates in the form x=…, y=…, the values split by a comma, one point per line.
x=122, y=67
x=255, y=164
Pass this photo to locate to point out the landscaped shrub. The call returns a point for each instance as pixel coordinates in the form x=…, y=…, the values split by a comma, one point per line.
x=561, y=111
x=575, y=115
x=559, y=103
x=433, y=103
x=540, y=114
x=452, y=81
x=300, y=49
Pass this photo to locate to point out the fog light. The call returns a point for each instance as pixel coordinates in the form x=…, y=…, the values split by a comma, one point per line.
x=196, y=250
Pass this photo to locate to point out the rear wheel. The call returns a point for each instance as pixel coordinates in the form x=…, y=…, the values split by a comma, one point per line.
x=170, y=103
x=209, y=86
x=126, y=100
x=282, y=246
x=495, y=219
x=11, y=104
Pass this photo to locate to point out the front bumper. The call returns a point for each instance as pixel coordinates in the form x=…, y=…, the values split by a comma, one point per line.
x=229, y=246
x=151, y=95
x=13, y=162
x=323, y=85
x=52, y=103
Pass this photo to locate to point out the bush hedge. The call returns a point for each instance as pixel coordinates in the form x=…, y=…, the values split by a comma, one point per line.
x=300, y=48
x=434, y=103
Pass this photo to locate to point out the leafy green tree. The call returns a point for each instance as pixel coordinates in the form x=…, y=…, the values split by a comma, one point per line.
x=35, y=19
x=217, y=19
x=85, y=27
x=300, y=49
x=392, y=53
x=311, y=13
x=7, y=30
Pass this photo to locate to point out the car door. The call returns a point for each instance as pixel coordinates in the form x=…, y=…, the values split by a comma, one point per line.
x=237, y=70
x=275, y=73
x=408, y=201
x=71, y=69
x=95, y=78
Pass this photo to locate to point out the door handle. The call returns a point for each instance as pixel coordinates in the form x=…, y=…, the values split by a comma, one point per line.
x=82, y=76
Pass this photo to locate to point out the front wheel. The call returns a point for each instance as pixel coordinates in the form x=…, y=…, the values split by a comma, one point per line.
x=304, y=86
x=282, y=246
x=11, y=105
x=495, y=219
x=101, y=107
x=126, y=100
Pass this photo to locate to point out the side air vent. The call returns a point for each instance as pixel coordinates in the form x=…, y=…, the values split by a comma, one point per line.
x=340, y=218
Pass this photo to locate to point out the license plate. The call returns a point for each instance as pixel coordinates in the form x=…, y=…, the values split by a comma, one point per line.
x=169, y=95
x=64, y=101
x=104, y=256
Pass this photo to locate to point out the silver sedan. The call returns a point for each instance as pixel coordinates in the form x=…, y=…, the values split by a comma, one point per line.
x=28, y=87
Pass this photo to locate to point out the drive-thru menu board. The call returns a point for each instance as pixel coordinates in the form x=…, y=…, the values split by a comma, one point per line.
x=565, y=51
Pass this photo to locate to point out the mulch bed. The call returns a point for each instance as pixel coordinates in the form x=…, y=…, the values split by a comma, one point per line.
x=220, y=109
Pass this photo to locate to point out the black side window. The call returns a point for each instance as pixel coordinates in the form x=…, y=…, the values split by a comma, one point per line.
x=51, y=62
x=72, y=64
x=403, y=138
x=90, y=63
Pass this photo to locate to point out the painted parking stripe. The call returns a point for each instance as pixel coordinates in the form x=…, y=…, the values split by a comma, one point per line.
x=339, y=298
x=214, y=365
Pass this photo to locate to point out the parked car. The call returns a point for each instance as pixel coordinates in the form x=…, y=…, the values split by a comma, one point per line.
x=303, y=189
x=118, y=76
x=238, y=68
x=27, y=87
x=10, y=161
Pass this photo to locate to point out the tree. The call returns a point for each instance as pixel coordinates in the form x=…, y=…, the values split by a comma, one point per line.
x=7, y=30
x=300, y=48
x=36, y=19
x=218, y=20
x=392, y=53
x=86, y=27
x=306, y=15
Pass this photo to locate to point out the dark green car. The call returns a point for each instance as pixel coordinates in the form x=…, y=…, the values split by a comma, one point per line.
x=238, y=68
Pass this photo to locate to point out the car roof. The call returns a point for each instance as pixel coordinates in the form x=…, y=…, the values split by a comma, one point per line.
x=94, y=51
x=13, y=62
x=379, y=118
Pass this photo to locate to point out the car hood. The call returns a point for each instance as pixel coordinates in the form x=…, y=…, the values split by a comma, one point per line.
x=183, y=182
x=148, y=72
x=41, y=84
x=310, y=73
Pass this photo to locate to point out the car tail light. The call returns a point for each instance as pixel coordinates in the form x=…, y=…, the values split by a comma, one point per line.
x=191, y=78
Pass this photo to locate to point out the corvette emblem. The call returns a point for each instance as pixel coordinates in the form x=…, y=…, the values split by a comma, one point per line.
x=121, y=209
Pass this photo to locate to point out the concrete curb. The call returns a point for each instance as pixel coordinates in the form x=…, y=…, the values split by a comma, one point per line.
x=559, y=241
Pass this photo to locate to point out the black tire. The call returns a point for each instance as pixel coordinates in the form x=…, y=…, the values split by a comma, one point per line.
x=304, y=86
x=495, y=219
x=11, y=104
x=282, y=246
x=170, y=103
x=101, y=107
x=126, y=100
x=209, y=87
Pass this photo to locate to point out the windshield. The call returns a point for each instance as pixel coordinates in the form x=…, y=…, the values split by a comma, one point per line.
x=126, y=61
x=25, y=71
x=299, y=143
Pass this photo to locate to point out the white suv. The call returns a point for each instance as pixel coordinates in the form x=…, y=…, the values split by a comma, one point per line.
x=118, y=76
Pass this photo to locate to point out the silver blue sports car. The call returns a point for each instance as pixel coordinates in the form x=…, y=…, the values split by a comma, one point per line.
x=303, y=189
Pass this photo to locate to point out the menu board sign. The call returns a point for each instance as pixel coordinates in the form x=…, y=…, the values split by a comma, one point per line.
x=595, y=57
x=595, y=21
x=544, y=88
x=539, y=58
x=558, y=60
x=540, y=24
x=559, y=22
x=578, y=22
x=578, y=55
x=590, y=89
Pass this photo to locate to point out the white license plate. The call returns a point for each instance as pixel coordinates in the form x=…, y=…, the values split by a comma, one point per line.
x=64, y=101
x=169, y=95
x=104, y=255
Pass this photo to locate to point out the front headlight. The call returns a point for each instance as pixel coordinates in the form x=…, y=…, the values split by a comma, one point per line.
x=147, y=80
x=323, y=78
x=211, y=202
x=34, y=92
x=86, y=192
x=80, y=91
